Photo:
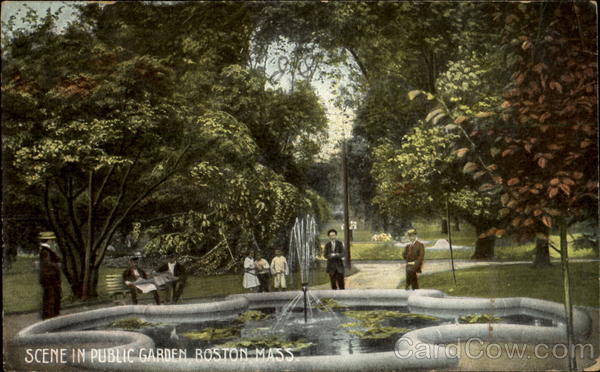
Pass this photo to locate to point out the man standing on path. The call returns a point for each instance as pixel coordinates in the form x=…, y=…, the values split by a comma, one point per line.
x=49, y=276
x=334, y=253
x=414, y=254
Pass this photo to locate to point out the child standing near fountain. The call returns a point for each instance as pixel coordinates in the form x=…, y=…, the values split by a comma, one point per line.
x=250, y=280
x=279, y=269
x=262, y=267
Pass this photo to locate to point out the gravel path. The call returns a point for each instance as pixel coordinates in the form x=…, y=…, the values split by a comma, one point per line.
x=392, y=274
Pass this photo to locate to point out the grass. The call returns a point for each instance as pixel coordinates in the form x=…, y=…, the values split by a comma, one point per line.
x=21, y=290
x=363, y=248
x=520, y=280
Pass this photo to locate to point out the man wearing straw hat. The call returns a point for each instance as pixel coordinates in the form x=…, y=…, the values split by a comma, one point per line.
x=49, y=275
x=414, y=254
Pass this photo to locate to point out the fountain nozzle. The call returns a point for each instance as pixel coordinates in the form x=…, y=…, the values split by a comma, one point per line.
x=304, y=289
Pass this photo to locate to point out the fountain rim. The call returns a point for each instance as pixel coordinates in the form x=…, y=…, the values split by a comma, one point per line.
x=50, y=331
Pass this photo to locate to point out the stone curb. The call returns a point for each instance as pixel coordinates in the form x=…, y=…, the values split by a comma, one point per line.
x=50, y=332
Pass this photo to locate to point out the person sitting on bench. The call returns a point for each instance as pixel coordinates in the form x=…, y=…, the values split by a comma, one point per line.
x=132, y=274
x=177, y=270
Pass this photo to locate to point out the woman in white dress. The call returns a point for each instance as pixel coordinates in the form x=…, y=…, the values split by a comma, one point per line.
x=250, y=280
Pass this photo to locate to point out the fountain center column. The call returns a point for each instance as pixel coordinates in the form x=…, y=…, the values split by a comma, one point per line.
x=305, y=289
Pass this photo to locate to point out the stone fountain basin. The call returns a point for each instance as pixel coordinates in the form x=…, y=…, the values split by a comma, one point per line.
x=63, y=331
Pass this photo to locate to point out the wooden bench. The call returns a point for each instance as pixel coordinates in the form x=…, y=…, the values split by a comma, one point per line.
x=116, y=287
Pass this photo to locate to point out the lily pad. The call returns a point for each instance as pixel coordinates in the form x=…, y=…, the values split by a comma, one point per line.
x=370, y=323
x=251, y=315
x=327, y=303
x=378, y=332
x=265, y=342
x=379, y=315
x=479, y=318
x=210, y=333
x=131, y=324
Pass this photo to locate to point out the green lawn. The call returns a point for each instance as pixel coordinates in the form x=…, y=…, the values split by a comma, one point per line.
x=363, y=248
x=520, y=280
x=21, y=290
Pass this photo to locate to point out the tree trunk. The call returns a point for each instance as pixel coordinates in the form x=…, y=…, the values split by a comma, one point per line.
x=542, y=251
x=484, y=247
x=456, y=224
x=444, y=226
x=564, y=261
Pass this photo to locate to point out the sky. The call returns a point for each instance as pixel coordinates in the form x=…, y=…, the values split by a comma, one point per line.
x=339, y=122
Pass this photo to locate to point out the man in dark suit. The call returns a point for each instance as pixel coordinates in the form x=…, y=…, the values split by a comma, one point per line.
x=49, y=276
x=177, y=270
x=414, y=254
x=334, y=253
x=133, y=273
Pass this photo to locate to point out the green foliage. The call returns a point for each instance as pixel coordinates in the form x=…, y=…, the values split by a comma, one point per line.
x=131, y=324
x=370, y=324
x=252, y=315
x=376, y=332
x=266, y=342
x=479, y=318
x=326, y=304
x=210, y=334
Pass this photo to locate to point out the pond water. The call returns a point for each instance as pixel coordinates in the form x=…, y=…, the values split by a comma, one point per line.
x=333, y=332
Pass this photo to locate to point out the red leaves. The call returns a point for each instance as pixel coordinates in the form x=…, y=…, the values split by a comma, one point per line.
x=505, y=105
x=554, y=181
x=507, y=152
x=547, y=221
x=577, y=175
x=461, y=152
x=565, y=188
x=554, y=147
x=470, y=167
x=520, y=78
x=545, y=116
x=555, y=85
x=542, y=162
x=552, y=192
x=552, y=212
x=460, y=119
x=512, y=181
x=539, y=68
x=486, y=187
x=484, y=114
x=505, y=198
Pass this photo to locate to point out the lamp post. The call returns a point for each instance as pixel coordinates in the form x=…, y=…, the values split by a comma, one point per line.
x=346, y=202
